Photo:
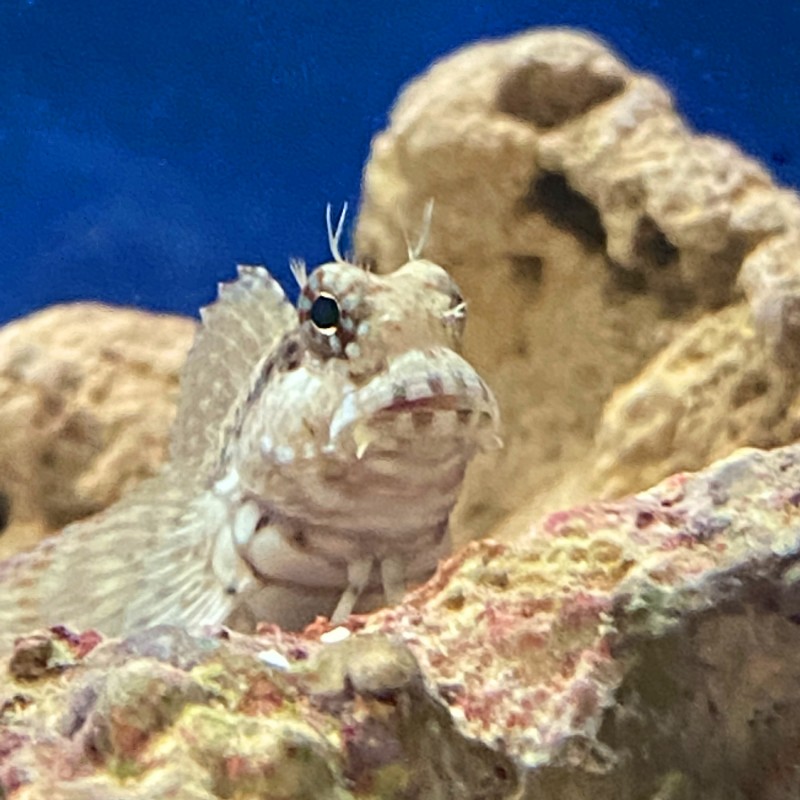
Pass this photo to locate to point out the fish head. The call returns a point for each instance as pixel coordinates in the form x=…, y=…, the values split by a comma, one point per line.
x=363, y=321
x=371, y=384
x=391, y=345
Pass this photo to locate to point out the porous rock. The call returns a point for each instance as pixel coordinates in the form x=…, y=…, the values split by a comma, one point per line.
x=590, y=228
x=644, y=648
x=87, y=395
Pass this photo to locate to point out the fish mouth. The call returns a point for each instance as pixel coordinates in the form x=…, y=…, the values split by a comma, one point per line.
x=422, y=385
x=431, y=403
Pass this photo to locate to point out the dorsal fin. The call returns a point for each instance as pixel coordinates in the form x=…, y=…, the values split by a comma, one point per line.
x=248, y=318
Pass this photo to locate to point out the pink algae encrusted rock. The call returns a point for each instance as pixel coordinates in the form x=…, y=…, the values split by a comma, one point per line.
x=589, y=227
x=87, y=395
x=644, y=648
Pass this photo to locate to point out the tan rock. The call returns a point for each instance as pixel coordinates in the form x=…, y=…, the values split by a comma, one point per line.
x=87, y=395
x=589, y=228
x=712, y=388
x=719, y=380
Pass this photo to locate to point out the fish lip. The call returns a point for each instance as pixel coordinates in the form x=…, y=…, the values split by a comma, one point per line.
x=432, y=402
x=437, y=380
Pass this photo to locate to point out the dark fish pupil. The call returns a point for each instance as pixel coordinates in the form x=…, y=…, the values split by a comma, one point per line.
x=325, y=312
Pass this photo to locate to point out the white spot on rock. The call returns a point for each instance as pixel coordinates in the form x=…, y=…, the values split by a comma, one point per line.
x=272, y=658
x=336, y=635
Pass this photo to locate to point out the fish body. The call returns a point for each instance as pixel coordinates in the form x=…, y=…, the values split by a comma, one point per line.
x=316, y=455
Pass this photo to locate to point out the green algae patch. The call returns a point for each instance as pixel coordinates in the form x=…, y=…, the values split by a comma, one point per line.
x=250, y=756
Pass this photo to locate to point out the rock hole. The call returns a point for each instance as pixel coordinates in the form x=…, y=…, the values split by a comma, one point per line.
x=752, y=386
x=651, y=247
x=677, y=299
x=548, y=96
x=718, y=284
x=626, y=281
x=5, y=510
x=527, y=268
x=567, y=209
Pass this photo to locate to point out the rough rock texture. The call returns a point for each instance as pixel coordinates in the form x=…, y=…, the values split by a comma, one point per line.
x=589, y=227
x=87, y=394
x=709, y=390
x=639, y=649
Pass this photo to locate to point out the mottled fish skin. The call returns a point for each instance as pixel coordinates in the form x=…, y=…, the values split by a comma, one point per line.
x=316, y=456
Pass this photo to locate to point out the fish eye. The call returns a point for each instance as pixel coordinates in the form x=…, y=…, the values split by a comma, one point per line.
x=325, y=313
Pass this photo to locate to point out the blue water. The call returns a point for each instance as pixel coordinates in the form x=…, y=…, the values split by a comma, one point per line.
x=149, y=145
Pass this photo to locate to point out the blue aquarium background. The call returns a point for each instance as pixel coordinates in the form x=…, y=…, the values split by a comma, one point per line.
x=150, y=145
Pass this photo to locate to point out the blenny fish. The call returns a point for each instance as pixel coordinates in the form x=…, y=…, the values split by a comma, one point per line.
x=316, y=455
